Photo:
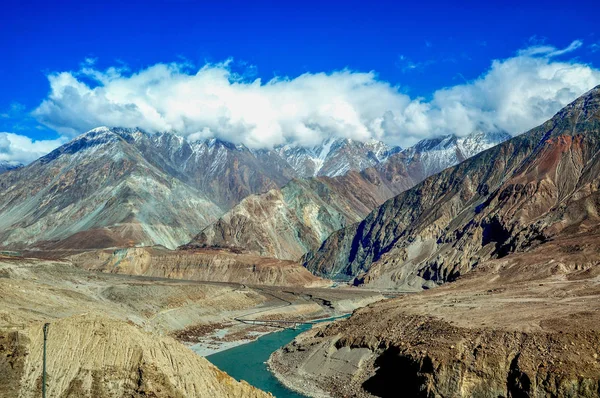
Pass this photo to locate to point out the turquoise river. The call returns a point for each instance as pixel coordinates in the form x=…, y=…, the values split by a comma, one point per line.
x=248, y=361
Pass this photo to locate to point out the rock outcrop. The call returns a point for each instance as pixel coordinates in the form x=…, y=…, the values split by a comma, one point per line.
x=202, y=265
x=95, y=356
x=510, y=198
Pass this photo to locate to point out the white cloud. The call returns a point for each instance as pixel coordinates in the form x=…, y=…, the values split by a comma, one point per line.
x=15, y=148
x=515, y=94
x=550, y=51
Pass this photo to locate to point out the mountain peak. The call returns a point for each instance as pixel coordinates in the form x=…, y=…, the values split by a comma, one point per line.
x=8, y=166
x=584, y=110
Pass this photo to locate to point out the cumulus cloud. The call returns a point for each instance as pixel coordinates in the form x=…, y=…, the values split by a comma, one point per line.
x=513, y=95
x=19, y=149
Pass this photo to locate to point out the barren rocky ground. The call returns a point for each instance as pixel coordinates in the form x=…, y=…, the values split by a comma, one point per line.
x=199, y=264
x=113, y=335
x=527, y=325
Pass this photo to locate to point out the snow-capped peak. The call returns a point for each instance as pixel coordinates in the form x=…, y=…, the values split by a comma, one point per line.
x=438, y=153
x=334, y=156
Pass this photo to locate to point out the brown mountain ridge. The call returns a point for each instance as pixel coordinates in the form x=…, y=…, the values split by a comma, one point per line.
x=510, y=198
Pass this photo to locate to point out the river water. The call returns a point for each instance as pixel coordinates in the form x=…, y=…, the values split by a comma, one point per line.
x=247, y=362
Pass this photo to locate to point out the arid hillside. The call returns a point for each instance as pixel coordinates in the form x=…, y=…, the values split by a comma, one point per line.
x=202, y=265
x=527, y=325
x=529, y=190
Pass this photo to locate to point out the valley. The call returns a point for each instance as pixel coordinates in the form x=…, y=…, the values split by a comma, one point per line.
x=208, y=199
x=468, y=269
x=95, y=316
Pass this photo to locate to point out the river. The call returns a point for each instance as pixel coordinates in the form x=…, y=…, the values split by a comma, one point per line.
x=248, y=361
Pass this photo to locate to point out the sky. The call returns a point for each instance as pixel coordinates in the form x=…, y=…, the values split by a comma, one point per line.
x=266, y=73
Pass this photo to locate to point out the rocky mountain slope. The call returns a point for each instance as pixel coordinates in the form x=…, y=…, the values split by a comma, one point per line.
x=288, y=222
x=510, y=198
x=335, y=157
x=431, y=156
x=226, y=173
x=526, y=325
x=99, y=191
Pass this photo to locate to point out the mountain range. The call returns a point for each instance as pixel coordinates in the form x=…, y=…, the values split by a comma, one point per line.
x=511, y=198
x=8, y=166
x=118, y=187
x=512, y=222
x=288, y=222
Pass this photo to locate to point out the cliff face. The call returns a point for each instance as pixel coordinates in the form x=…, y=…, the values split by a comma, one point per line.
x=93, y=356
x=289, y=222
x=509, y=198
x=526, y=325
x=202, y=265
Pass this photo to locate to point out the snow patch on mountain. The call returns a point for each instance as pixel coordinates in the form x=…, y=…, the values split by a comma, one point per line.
x=439, y=153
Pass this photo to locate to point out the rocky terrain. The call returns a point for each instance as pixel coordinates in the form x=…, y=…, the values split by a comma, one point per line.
x=286, y=223
x=98, y=191
x=526, y=325
x=513, y=197
x=110, y=186
x=104, y=336
x=202, y=265
x=112, y=335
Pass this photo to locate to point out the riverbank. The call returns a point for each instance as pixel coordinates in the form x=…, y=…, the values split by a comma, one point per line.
x=300, y=305
x=228, y=338
x=235, y=335
x=249, y=362
x=525, y=325
x=294, y=375
x=292, y=378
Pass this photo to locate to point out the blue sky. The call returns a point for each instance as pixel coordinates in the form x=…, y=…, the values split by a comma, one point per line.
x=415, y=49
